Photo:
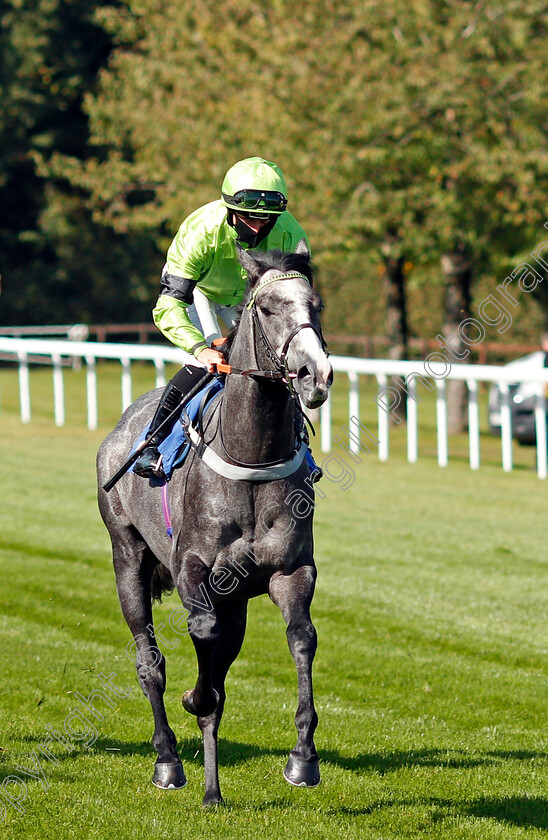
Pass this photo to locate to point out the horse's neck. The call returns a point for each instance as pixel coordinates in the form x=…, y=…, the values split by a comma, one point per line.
x=257, y=414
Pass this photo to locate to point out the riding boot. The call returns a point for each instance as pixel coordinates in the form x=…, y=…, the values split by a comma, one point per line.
x=149, y=462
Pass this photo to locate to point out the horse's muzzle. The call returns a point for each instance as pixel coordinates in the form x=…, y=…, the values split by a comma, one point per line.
x=313, y=384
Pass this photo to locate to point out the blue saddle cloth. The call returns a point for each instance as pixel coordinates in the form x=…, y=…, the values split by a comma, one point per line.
x=175, y=447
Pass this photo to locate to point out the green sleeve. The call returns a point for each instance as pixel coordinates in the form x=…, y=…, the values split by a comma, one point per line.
x=171, y=318
x=193, y=247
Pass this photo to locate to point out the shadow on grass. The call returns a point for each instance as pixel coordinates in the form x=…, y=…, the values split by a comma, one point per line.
x=521, y=811
x=524, y=811
x=383, y=763
x=232, y=753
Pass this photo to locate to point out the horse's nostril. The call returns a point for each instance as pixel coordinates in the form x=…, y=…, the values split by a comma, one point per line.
x=303, y=372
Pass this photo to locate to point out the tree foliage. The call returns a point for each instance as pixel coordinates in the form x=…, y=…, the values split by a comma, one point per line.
x=423, y=116
x=51, y=51
x=417, y=120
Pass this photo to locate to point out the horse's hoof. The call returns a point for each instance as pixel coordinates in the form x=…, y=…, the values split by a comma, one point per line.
x=188, y=704
x=169, y=776
x=211, y=799
x=302, y=773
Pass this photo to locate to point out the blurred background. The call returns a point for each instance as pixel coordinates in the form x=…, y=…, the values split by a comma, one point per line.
x=412, y=134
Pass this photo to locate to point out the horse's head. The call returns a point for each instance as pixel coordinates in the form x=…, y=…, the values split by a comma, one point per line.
x=285, y=312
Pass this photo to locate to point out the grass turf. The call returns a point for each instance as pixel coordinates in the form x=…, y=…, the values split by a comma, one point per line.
x=430, y=677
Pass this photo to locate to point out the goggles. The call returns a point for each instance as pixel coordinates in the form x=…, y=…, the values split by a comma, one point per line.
x=262, y=200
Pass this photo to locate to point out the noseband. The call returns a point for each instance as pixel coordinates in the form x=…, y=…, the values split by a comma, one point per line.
x=280, y=362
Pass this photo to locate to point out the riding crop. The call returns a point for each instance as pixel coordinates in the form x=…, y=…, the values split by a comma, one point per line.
x=144, y=443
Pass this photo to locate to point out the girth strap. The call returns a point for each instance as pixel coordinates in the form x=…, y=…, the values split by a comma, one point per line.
x=236, y=473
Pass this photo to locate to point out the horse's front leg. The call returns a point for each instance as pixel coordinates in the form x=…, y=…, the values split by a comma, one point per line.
x=293, y=595
x=232, y=620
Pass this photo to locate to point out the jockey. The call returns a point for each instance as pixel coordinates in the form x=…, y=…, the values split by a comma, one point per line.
x=203, y=279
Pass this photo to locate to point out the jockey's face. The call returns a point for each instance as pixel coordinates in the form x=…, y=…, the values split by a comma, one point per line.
x=254, y=223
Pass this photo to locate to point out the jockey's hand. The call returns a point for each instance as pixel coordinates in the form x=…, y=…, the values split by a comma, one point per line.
x=210, y=357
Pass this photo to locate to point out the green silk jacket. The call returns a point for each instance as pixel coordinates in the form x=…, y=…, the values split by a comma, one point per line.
x=204, y=251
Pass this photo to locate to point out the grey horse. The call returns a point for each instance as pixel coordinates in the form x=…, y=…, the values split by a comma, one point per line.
x=234, y=536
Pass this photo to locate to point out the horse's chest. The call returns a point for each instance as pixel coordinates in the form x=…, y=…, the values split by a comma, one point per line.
x=242, y=535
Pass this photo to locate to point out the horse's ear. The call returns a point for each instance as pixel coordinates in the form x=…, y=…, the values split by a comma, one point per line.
x=302, y=248
x=246, y=261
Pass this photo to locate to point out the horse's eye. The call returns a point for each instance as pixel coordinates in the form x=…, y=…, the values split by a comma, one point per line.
x=265, y=310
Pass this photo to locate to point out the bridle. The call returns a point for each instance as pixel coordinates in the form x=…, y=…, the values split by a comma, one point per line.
x=281, y=370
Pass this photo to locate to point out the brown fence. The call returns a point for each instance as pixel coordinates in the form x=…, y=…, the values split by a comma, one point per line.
x=377, y=347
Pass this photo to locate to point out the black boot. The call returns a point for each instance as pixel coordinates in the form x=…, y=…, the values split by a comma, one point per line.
x=149, y=462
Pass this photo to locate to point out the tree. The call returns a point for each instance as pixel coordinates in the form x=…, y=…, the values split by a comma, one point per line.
x=455, y=155
x=415, y=119
x=51, y=51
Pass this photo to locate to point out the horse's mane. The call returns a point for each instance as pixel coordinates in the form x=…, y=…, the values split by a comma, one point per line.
x=282, y=261
x=266, y=261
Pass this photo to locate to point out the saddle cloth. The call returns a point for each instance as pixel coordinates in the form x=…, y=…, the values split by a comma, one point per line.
x=176, y=446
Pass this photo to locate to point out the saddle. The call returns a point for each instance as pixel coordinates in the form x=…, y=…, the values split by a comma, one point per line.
x=176, y=446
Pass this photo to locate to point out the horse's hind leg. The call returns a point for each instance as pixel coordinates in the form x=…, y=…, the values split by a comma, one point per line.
x=133, y=572
x=232, y=617
x=293, y=595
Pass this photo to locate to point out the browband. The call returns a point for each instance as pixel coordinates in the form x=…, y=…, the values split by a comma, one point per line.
x=290, y=275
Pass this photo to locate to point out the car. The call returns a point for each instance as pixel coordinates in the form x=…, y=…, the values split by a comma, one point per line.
x=522, y=400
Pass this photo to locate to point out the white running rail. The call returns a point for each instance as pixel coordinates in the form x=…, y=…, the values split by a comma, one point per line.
x=359, y=437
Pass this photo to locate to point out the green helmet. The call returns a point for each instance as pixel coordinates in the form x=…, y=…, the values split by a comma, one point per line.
x=255, y=185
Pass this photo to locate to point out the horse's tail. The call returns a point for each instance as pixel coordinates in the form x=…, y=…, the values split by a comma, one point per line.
x=161, y=582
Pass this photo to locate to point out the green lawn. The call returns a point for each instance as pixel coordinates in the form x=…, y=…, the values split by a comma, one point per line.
x=430, y=677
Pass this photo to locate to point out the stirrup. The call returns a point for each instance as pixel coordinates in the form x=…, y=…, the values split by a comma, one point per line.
x=149, y=464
